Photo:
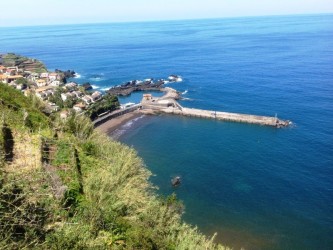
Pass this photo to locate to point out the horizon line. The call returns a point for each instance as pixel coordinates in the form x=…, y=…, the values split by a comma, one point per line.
x=167, y=20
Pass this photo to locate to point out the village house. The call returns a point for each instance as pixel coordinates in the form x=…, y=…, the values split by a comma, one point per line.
x=96, y=96
x=53, y=107
x=41, y=83
x=147, y=97
x=79, y=107
x=78, y=94
x=44, y=75
x=33, y=77
x=11, y=71
x=42, y=89
x=49, y=92
x=55, y=83
x=87, y=99
x=54, y=76
x=70, y=85
x=45, y=94
x=3, y=69
x=68, y=95
x=9, y=79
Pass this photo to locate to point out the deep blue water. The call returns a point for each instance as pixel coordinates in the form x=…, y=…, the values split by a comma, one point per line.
x=258, y=187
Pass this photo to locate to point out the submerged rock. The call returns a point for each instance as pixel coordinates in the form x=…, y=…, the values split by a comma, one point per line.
x=175, y=181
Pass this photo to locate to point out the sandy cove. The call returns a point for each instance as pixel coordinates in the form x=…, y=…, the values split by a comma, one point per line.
x=115, y=123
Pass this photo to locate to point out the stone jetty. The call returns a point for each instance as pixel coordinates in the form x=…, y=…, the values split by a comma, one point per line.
x=168, y=104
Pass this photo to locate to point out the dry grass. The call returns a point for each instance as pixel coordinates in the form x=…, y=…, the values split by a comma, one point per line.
x=27, y=153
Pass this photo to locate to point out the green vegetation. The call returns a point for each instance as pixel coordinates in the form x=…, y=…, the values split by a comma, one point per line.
x=11, y=59
x=22, y=81
x=56, y=98
x=74, y=188
x=108, y=103
x=21, y=108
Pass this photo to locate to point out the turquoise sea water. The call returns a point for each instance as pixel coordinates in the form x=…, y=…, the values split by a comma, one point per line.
x=257, y=187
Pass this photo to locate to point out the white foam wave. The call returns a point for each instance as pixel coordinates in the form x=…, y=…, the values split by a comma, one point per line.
x=77, y=75
x=94, y=86
x=117, y=133
x=122, y=130
x=128, y=124
x=185, y=92
x=96, y=79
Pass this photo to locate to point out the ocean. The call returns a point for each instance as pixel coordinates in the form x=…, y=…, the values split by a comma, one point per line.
x=257, y=187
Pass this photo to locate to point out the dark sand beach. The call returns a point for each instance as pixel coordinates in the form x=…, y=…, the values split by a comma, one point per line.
x=115, y=123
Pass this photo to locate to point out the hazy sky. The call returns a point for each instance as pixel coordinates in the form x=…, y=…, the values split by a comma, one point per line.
x=39, y=12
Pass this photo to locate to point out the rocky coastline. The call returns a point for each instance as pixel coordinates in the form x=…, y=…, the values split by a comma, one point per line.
x=134, y=86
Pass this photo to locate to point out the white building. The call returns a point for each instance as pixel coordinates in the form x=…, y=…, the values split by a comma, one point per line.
x=127, y=105
x=55, y=83
x=87, y=99
x=54, y=76
x=71, y=85
x=96, y=96
x=44, y=75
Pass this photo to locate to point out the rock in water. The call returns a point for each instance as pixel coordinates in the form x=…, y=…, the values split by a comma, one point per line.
x=175, y=181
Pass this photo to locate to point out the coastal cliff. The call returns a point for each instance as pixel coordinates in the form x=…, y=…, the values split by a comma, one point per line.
x=63, y=185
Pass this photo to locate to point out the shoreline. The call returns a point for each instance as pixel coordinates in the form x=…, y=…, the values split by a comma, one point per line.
x=115, y=123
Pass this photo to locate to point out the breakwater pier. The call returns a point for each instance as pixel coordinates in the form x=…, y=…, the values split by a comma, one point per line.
x=168, y=104
x=226, y=116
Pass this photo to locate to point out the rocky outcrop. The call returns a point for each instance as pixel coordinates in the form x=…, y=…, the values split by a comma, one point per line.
x=133, y=86
x=66, y=73
x=87, y=86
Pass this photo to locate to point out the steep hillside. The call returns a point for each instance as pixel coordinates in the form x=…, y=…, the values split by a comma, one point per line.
x=65, y=186
x=22, y=62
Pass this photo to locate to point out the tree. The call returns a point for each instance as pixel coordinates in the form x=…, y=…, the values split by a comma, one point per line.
x=108, y=103
x=56, y=98
x=22, y=81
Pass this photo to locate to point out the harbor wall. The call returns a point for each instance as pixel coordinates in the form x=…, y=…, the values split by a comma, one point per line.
x=226, y=116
